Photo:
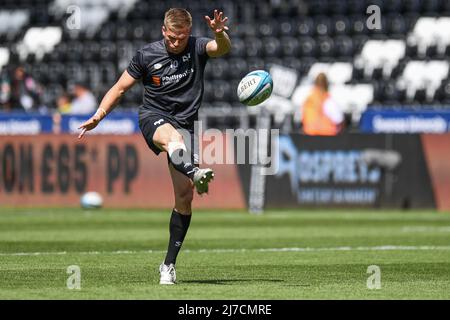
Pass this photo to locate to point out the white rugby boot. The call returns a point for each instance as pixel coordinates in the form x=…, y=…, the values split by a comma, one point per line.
x=201, y=179
x=168, y=274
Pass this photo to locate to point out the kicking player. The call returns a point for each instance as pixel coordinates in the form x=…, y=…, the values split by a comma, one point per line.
x=171, y=71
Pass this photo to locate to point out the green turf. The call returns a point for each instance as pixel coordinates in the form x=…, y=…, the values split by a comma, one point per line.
x=119, y=251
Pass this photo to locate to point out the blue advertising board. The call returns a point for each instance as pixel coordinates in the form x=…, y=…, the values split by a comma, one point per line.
x=116, y=123
x=405, y=121
x=120, y=123
x=25, y=124
x=348, y=170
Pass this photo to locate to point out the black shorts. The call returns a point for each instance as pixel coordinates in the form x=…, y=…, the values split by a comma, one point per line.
x=150, y=123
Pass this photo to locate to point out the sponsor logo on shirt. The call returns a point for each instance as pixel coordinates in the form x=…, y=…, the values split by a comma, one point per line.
x=156, y=80
x=177, y=77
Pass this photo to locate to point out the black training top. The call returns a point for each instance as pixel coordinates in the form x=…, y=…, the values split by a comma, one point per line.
x=173, y=83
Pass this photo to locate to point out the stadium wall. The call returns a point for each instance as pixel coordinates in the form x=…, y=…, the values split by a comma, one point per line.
x=351, y=170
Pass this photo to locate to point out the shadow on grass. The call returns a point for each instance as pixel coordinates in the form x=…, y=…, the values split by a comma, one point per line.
x=228, y=281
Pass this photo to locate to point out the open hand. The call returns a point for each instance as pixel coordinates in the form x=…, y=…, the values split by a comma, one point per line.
x=90, y=124
x=217, y=25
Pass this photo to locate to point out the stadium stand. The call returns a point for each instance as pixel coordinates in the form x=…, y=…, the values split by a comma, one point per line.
x=366, y=68
x=4, y=57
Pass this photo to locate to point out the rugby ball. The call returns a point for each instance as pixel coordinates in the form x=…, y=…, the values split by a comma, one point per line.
x=255, y=87
x=91, y=200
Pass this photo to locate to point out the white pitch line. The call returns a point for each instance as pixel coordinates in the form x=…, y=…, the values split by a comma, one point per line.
x=305, y=249
x=425, y=229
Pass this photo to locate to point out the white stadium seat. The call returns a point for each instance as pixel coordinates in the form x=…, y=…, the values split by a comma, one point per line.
x=338, y=72
x=316, y=68
x=436, y=71
x=371, y=56
x=423, y=75
x=352, y=99
x=300, y=94
x=4, y=57
x=284, y=80
x=87, y=6
x=430, y=31
x=362, y=95
x=395, y=50
x=423, y=34
x=12, y=21
x=39, y=41
x=380, y=54
x=280, y=107
x=341, y=94
x=93, y=18
x=412, y=76
x=443, y=33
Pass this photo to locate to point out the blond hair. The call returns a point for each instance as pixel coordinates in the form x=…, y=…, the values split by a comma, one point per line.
x=177, y=18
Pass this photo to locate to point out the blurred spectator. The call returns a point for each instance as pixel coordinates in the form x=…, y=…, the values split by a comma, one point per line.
x=20, y=91
x=57, y=118
x=64, y=104
x=84, y=101
x=5, y=90
x=321, y=115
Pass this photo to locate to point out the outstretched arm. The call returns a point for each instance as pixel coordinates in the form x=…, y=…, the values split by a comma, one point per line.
x=221, y=43
x=108, y=103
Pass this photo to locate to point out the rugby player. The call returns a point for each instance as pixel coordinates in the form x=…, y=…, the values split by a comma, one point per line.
x=171, y=71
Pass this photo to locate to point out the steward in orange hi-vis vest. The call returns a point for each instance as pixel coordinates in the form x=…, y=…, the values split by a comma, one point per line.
x=321, y=116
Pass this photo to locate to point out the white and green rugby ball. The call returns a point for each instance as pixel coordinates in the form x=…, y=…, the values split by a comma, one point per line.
x=255, y=88
x=91, y=200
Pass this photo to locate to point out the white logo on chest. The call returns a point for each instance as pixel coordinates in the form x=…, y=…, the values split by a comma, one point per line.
x=174, y=63
x=186, y=57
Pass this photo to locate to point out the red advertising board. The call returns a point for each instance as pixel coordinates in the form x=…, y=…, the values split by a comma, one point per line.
x=437, y=153
x=55, y=170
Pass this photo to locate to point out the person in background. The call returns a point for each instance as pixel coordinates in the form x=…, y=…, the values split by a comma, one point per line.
x=20, y=91
x=321, y=115
x=63, y=104
x=5, y=91
x=84, y=101
x=63, y=107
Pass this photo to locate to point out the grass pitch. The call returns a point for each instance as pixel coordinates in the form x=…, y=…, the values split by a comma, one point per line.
x=226, y=255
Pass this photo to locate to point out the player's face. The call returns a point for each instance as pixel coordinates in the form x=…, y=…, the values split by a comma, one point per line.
x=176, y=39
